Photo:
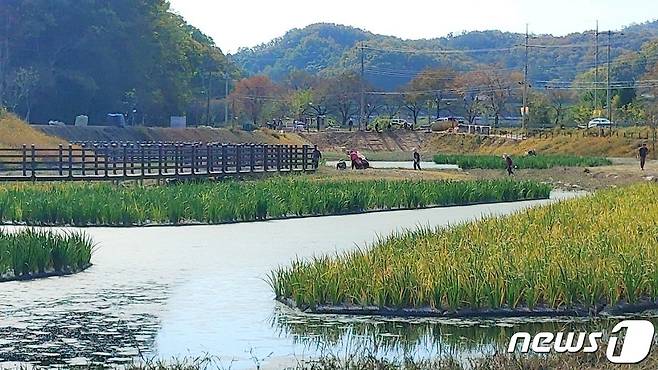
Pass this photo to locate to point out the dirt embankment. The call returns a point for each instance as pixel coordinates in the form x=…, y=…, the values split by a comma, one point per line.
x=371, y=141
x=15, y=132
x=621, y=145
x=98, y=133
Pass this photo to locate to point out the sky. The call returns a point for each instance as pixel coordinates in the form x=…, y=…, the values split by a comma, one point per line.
x=247, y=23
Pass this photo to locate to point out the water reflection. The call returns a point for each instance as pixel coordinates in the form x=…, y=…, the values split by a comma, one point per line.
x=179, y=291
x=424, y=338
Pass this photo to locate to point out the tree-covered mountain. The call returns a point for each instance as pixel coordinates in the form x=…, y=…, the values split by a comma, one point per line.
x=63, y=58
x=391, y=62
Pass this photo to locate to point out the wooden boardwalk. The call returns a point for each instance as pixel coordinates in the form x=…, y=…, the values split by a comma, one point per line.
x=116, y=161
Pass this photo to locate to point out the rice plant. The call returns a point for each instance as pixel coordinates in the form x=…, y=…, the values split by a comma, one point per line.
x=84, y=204
x=524, y=162
x=29, y=251
x=592, y=251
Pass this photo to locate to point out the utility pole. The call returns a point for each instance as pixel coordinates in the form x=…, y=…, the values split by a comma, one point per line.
x=363, y=86
x=596, y=70
x=524, y=110
x=226, y=99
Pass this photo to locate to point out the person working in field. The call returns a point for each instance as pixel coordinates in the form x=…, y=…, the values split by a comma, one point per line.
x=642, y=154
x=416, y=160
x=317, y=155
x=510, y=164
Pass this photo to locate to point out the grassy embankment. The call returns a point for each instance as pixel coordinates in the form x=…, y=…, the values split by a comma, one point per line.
x=570, y=141
x=593, y=251
x=28, y=253
x=524, y=162
x=15, y=132
x=399, y=145
x=214, y=203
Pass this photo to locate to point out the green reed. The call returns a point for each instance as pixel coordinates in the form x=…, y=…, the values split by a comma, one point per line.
x=85, y=204
x=524, y=162
x=31, y=251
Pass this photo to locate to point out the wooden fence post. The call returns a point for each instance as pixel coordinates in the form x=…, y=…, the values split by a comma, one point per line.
x=142, y=152
x=176, y=154
x=24, y=161
x=252, y=158
x=106, y=164
x=59, y=160
x=95, y=146
x=194, y=159
x=224, y=159
x=33, y=165
x=238, y=158
x=304, y=157
x=70, y=161
x=266, y=157
x=208, y=158
x=125, y=161
x=83, y=156
x=159, y=161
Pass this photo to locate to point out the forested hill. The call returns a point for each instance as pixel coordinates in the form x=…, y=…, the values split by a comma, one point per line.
x=68, y=57
x=392, y=62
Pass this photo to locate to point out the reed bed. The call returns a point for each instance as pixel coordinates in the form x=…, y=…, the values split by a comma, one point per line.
x=524, y=162
x=85, y=204
x=589, y=252
x=35, y=252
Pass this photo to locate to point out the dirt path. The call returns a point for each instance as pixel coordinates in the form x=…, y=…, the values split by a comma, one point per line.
x=622, y=172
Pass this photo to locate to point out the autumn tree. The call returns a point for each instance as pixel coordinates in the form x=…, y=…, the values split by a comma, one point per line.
x=497, y=89
x=252, y=95
x=467, y=87
x=436, y=83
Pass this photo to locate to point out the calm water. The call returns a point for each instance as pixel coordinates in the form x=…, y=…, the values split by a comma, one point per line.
x=402, y=165
x=180, y=291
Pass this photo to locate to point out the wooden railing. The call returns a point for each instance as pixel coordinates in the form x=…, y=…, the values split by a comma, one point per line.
x=147, y=160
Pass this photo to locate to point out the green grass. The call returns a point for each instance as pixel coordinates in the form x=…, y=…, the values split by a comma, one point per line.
x=599, y=249
x=222, y=202
x=32, y=251
x=524, y=162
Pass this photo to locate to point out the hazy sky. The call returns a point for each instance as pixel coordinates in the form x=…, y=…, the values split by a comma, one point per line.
x=246, y=23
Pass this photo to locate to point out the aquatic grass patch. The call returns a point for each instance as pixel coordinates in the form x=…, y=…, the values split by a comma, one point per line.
x=523, y=162
x=31, y=252
x=85, y=204
x=591, y=253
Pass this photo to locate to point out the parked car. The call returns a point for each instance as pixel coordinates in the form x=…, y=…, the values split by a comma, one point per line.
x=56, y=123
x=599, y=122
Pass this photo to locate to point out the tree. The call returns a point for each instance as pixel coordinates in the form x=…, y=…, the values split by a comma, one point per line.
x=467, y=87
x=86, y=54
x=252, y=95
x=300, y=102
x=559, y=101
x=539, y=110
x=19, y=89
x=342, y=91
x=497, y=90
x=391, y=105
x=374, y=103
x=436, y=82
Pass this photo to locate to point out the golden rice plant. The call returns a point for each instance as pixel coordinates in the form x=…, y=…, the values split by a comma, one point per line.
x=596, y=250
